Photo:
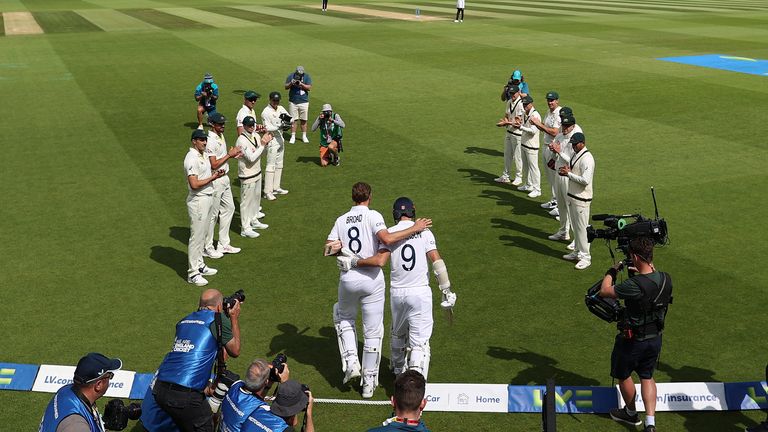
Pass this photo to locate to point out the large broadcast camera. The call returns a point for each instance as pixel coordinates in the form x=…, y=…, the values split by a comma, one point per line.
x=622, y=228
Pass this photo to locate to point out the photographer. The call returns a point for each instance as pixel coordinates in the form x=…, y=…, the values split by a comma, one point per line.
x=181, y=382
x=646, y=296
x=331, y=129
x=516, y=79
x=272, y=116
x=298, y=84
x=73, y=408
x=206, y=95
x=245, y=396
x=292, y=398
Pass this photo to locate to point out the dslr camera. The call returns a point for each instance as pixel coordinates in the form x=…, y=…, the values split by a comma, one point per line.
x=225, y=381
x=208, y=89
x=278, y=366
x=229, y=301
x=116, y=414
x=297, y=78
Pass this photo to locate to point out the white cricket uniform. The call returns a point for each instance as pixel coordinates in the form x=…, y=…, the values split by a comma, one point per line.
x=512, y=140
x=530, y=151
x=275, y=149
x=223, y=203
x=249, y=174
x=243, y=113
x=360, y=285
x=580, y=198
x=561, y=182
x=199, y=207
x=551, y=120
x=411, y=297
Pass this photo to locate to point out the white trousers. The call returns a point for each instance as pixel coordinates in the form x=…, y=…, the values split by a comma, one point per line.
x=223, y=210
x=250, y=200
x=369, y=295
x=531, y=168
x=580, y=219
x=411, y=320
x=561, y=193
x=274, y=167
x=546, y=155
x=512, y=155
x=199, y=208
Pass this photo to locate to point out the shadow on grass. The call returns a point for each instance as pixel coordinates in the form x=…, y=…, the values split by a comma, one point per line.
x=485, y=151
x=322, y=353
x=191, y=125
x=309, y=159
x=541, y=368
x=544, y=246
x=179, y=233
x=697, y=420
x=172, y=258
x=479, y=176
x=518, y=200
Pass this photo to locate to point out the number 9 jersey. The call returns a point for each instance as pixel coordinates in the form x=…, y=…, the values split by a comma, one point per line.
x=357, y=230
x=409, y=257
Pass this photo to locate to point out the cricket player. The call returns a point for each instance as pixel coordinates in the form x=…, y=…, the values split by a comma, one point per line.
x=551, y=127
x=270, y=116
x=359, y=232
x=513, y=119
x=249, y=173
x=223, y=203
x=411, y=301
x=561, y=156
x=530, y=149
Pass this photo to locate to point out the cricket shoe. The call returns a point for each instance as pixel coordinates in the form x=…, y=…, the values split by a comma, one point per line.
x=560, y=235
x=534, y=194
x=211, y=252
x=260, y=215
x=269, y=196
x=228, y=249
x=620, y=415
x=369, y=385
x=305, y=139
x=502, y=179
x=258, y=225
x=517, y=181
x=650, y=428
x=249, y=233
x=524, y=188
x=571, y=246
x=554, y=212
x=353, y=371
x=455, y=20
x=292, y=140
x=573, y=256
x=207, y=271
x=280, y=191
x=583, y=263
x=198, y=280
x=549, y=204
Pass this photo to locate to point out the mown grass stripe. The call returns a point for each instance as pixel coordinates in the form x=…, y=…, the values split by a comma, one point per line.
x=64, y=22
x=687, y=5
x=2, y=25
x=163, y=20
x=112, y=20
x=50, y=5
x=209, y=18
x=382, y=7
x=647, y=5
x=255, y=17
x=492, y=13
x=334, y=13
x=548, y=7
x=317, y=17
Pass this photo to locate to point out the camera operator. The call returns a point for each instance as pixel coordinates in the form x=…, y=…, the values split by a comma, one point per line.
x=245, y=396
x=579, y=172
x=181, y=382
x=646, y=296
x=298, y=84
x=292, y=398
x=408, y=402
x=331, y=130
x=206, y=95
x=271, y=117
x=516, y=79
x=73, y=408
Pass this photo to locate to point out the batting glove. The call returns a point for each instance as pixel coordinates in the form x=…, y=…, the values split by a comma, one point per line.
x=449, y=299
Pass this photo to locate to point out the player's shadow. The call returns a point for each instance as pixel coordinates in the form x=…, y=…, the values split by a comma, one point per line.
x=321, y=352
x=520, y=203
x=172, y=258
x=543, y=246
x=541, y=368
x=179, y=233
x=697, y=420
x=309, y=159
x=191, y=125
x=478, y=176
x=482, y=150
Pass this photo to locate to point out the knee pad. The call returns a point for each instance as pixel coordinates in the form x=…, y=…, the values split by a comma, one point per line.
x=270, y=168
x=418, y=359
x=372, y=358
x=398, y=345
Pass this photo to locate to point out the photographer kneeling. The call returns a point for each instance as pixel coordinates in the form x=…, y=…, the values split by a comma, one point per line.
x=292, y=398
x=331, y=125
x=179, y=389
x=246, y=396
x=646, y=294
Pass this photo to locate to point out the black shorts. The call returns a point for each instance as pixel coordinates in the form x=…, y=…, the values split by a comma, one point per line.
x=631, y=355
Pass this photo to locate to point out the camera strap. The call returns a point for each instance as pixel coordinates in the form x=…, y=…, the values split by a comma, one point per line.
x=221, y=365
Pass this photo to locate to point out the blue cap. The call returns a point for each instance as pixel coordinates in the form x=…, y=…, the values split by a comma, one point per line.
x=517, y=75
x=208, y=78
x=93, y=366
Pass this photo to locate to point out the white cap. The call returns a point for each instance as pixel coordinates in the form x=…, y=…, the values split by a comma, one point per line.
x=327, y=107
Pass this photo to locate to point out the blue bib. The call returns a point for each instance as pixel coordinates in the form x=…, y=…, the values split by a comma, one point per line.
x=153, y=417
x=193, y=353
x=64, y=404
x=262, y=420
x=236, y=408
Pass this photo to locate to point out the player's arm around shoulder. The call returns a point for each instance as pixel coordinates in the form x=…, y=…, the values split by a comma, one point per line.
x=389, y=238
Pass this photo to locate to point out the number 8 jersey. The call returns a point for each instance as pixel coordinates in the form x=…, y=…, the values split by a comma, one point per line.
x=409, y=257
x=357, y=230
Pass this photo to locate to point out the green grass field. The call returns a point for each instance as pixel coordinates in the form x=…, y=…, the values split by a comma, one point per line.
x=98, y=112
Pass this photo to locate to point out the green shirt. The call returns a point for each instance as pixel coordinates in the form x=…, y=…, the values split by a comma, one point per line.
x=629, y=289
x=226, y=329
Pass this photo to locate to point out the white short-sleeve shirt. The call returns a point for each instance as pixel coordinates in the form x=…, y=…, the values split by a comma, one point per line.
x=217, y=146
x=409, y=267
x=243, y=113
x=357, y=230
x=198, y=165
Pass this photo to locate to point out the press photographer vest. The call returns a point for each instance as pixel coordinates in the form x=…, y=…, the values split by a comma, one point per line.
x=645, y=315
x=64, y=404
x=262, y=419
x=236, y=408
x=329, y=131
x=193, y=353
